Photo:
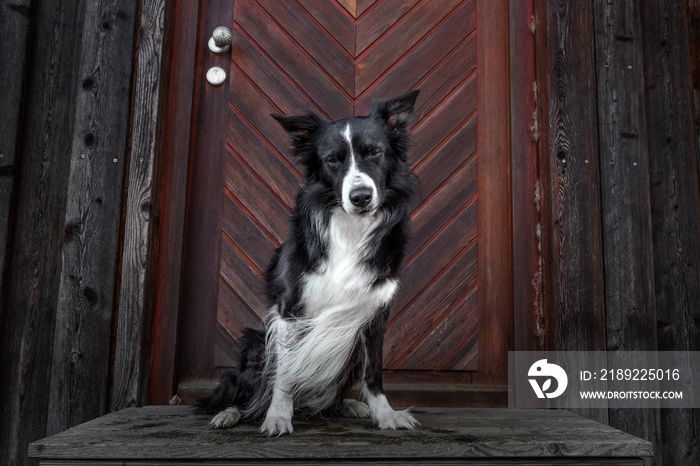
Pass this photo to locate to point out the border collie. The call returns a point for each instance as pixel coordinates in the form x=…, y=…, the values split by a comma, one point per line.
x=330, y=285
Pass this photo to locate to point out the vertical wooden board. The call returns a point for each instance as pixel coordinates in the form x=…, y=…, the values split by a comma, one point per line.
x=629, y=265
x=205, y=196
x=14, y=40
x=177, y=108
x=494, y=229
x=528, y=316
x=575, y=186
x=572, y=148
x=694, y=41
x=134, y=317
x=86, y=307
x=675, y=207
x=26, y=337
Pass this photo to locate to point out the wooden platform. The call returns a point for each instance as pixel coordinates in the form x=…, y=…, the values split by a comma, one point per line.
x=170, y=434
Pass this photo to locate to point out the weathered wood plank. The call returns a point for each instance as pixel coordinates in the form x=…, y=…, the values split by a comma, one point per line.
x=173, y=433
x=177, y=106
x=495, y=248
x=14, y=40
x=694, y=43
x=200, y=267
x=134, y=317
x=528, y=314
x=26, y=333
x=80, y=376
x=624, y=162
x=572, y=147
x=675, y=206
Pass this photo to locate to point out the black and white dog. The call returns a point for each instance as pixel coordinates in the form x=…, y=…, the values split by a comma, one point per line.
x=330, y=284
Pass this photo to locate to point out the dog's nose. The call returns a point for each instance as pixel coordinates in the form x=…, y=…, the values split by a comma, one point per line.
x=361, y=197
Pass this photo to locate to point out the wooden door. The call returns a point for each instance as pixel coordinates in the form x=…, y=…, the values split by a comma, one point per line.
x=335, y=57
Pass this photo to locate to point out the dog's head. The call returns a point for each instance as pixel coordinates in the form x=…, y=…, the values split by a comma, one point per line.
x=356, y=157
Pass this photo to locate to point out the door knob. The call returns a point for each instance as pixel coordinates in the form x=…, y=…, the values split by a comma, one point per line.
x=220, y=40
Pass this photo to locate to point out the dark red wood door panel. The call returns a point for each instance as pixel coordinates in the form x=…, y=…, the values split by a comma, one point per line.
x=335, y=57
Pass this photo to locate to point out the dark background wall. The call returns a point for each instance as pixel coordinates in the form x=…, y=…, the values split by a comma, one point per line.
x=78, y=136
x=617, y=123
x=620, y=84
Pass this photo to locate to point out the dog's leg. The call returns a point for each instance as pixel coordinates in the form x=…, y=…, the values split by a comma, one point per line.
x=382, y=413
x=229, y=417
x=354, y=408
x=278, y=419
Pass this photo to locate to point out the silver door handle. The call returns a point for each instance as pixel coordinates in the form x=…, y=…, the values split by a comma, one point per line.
x=220, y=40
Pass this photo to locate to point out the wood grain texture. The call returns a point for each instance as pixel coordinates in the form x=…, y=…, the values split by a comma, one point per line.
x=495, y=266
x=14, y=41
x=390, y=47
x=579, y=302
x=26, y=337
x=200, y=273
x=331, y=17
x=572, y=147
x=171, y=433
x=179, y=65
x=626, y=212
x=134, y=314
x=80, y=379
x=675, y=207
x=528, y=296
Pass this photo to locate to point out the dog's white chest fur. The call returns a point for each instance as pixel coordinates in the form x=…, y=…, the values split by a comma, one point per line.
x=343, y=282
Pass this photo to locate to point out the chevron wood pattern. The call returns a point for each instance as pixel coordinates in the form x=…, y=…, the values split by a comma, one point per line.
x=334, y=57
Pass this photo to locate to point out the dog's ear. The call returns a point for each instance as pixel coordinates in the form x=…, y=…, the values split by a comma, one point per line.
x=397, y=112
x=300, y=128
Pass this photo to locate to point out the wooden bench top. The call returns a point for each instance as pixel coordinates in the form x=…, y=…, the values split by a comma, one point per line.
x=171, y=433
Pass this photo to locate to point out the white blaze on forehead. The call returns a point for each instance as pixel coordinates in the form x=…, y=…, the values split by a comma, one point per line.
x=354, y=178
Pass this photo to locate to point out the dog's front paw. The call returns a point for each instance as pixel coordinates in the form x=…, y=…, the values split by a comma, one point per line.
x=354, y=408
x=276, y=425
x=226, y=418
x=390, y=419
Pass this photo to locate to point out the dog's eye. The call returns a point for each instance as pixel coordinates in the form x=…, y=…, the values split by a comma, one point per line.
x=374, y=152
x=331, y=160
